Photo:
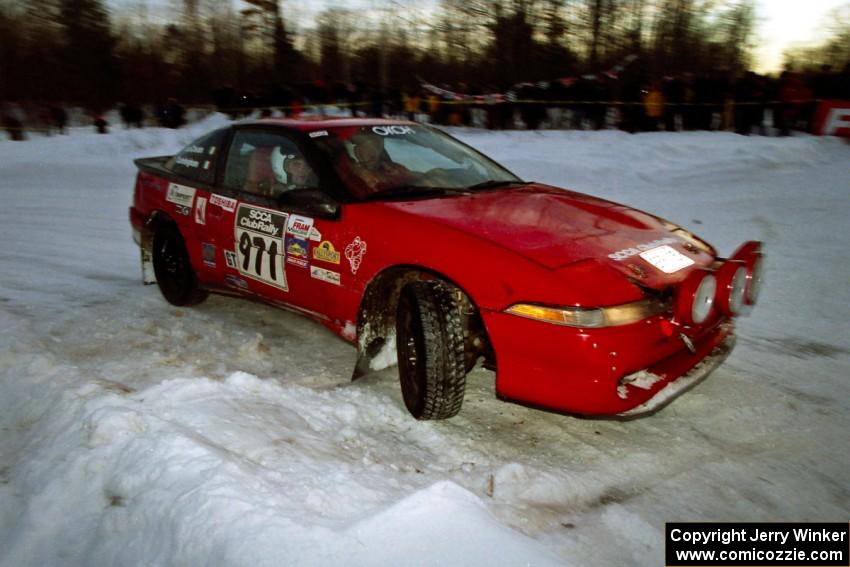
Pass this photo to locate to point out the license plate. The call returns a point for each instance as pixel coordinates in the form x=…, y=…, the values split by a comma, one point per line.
x=666, y=259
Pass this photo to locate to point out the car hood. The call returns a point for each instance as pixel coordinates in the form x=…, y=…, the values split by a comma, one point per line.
x=555, y=227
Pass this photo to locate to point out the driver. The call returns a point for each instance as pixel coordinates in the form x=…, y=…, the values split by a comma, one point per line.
x=374, y=165
x=298, y=173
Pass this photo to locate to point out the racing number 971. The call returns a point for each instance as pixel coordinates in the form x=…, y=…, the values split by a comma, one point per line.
x=259, y=236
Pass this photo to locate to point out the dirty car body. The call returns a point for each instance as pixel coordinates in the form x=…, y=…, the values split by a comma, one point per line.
x=401, y=238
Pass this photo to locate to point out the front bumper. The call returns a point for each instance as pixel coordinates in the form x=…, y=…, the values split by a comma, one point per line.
x=588, y=371
x=685, y=382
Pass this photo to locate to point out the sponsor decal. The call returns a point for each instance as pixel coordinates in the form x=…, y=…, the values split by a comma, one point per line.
x=259, y=244
x=393, y=130
x=208, y=254
x=629, y=252
x=234, y=281
x=354, y=253
x=193, y=150
x=299, y=226
x=206, y=164
x=201, y=210
x=261, y=221
x=318, y=133
x=315, y=234
x=180, y=194
x=324, y=275
x=212, y=150
x=186, y=162
x=185, y=211
x=230, y=258
x=833, y=118
x=326, y=252
x=225, y=203
x=297, y=251
x=667, y=259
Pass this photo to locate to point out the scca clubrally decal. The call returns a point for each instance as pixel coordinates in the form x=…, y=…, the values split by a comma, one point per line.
x=259, y=237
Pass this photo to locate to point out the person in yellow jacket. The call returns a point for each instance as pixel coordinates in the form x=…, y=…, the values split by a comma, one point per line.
x=411, y=105
x=653, y=106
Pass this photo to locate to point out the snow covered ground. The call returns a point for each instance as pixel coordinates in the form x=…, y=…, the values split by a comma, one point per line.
x=133, y=432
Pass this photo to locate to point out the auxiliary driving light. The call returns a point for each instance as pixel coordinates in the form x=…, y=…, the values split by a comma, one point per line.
x=752, y=254
x=695, y=297
x=731, y=286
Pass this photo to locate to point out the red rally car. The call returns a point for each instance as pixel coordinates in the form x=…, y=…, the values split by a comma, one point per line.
x=422, y=251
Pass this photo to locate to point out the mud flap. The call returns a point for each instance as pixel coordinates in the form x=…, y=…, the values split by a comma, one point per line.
x=365, y=356
x=148, y=275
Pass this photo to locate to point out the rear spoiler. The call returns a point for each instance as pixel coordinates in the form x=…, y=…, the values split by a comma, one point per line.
x=154, y=165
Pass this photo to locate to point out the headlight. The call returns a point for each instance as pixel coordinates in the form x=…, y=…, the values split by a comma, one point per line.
x=695, y=297
x=590, y=317
x=731, y=286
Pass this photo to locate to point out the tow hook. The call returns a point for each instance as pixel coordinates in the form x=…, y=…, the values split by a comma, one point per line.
x=688, y=342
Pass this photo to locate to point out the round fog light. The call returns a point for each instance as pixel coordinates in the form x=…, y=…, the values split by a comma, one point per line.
x=704, y=299
x=754, y=280
x=695, y=297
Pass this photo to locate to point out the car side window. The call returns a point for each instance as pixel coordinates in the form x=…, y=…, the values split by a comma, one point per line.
x=266, y=164
x=197, y=161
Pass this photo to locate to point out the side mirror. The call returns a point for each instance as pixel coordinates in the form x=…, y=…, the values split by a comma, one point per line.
x=312, y=202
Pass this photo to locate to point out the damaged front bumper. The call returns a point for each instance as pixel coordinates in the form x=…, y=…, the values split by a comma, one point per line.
x=685, y=382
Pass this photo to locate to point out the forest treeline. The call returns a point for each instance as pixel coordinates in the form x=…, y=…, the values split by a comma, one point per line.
x=78, y=52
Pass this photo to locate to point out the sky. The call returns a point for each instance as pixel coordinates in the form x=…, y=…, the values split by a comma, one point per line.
x=785, y=23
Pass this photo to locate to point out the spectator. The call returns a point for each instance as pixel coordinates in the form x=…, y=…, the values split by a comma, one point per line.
x=101, y=126
x=59, y=118
x=171, y=115
x=653, y=107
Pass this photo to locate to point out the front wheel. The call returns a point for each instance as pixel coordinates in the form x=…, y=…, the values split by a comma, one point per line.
x=429, y=342
x=174, y=274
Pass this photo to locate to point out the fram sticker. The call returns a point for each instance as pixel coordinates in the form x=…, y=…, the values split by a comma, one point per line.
x=201, y=210
x=225, y=203
x=326, y=252
x=299, y=226
x=324, y=275
x=208, y=254
x=180, y=195
x=354, y=253
x=230, y=258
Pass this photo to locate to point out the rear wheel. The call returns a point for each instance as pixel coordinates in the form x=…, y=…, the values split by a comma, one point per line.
x=174, y=274
x=429, y=342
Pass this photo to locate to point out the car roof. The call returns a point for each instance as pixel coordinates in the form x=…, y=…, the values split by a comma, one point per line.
x=311, y=123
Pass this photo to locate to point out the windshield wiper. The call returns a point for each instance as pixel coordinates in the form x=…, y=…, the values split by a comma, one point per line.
x=494, y=184
x=405, y=191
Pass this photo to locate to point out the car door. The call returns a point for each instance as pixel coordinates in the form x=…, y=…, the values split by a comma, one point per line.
x=266, y=245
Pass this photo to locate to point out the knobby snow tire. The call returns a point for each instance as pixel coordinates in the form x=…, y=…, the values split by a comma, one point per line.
x=174, y=274
x=430, y=346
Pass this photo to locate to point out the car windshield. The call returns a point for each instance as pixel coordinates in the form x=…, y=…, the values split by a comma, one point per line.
x=407, y=160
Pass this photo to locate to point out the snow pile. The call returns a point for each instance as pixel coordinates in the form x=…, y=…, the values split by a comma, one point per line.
x=133, y=432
